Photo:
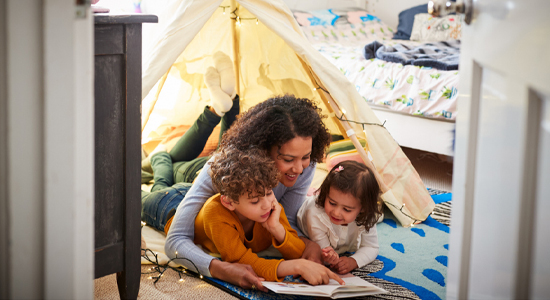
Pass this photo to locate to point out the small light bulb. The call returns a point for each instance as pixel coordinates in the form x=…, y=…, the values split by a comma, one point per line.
x=176, y=253
x=314, y=89
x=181, y=279
x=184, y=271
x=256, y=21
x=143, y=223
x=201, y=277
x=412, y=224
x=403, y=204
x=150, y=277
x=224, y=12
x=344, y=111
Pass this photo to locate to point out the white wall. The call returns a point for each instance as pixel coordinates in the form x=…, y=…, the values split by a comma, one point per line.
x=388, y=10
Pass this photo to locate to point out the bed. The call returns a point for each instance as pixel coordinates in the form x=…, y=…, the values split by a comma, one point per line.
x=417, y=104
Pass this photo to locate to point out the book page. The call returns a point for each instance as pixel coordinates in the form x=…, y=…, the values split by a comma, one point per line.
x=294, y=288
x=354, y=286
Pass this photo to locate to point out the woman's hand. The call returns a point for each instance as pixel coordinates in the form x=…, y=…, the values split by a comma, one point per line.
x=273, y=223
x=345, y=265
x=312, y=251
x=314, y=273
x=330, y=256
x=237, y=274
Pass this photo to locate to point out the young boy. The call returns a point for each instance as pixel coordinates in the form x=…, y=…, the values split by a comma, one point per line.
x=245, y=218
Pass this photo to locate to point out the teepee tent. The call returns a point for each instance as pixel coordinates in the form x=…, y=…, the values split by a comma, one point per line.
x=271, y=57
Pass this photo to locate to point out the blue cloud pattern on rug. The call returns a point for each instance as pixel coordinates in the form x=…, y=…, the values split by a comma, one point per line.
x=414, y=258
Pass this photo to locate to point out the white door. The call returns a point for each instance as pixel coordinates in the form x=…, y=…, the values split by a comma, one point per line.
x=46, y=150
x=499, y=242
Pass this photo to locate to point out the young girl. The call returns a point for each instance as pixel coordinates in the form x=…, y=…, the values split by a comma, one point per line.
x=342, y=217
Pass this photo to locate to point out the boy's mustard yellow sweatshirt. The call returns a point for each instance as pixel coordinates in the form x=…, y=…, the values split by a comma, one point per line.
x=219, y=230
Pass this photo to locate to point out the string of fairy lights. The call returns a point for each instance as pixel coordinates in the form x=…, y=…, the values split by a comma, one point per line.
x=237, y=17
x=159, y=269
x=363, y=124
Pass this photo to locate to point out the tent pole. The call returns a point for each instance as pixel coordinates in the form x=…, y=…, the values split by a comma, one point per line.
x=360, y=149
x=235, y=39
x=329, y=108
x=353, y=137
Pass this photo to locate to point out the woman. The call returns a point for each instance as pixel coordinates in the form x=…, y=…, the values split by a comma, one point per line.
x=293, y=134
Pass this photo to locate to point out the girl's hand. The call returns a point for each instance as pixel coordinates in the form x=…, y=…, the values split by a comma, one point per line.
x=315, y=273
x=330, y=256
x=345, y=265
x=273, y=223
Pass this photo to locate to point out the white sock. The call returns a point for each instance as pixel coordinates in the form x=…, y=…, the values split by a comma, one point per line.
x=219, y=100
x=224, y=65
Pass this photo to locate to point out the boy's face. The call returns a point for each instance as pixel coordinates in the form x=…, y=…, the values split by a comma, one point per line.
x=254, y=207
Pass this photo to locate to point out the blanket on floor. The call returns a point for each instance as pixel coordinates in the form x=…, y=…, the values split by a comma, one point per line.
x=412, y=263
x=437, y=55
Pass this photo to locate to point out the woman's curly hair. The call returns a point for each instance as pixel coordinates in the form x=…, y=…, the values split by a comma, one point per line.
x=235, y=172
x=277, y=121
x=358, y=180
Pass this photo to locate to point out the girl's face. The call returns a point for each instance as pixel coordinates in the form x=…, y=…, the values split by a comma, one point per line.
x=292, y=158
x=342, y=208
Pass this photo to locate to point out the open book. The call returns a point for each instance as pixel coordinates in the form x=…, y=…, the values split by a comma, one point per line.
x=354, y=287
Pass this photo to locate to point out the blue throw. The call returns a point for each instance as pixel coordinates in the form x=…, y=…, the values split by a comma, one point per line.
x=437, y=55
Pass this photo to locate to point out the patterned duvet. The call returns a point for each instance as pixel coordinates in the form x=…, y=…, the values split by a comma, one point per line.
x=409, y=89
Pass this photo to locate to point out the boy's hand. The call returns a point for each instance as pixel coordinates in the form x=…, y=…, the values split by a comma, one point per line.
x=238, y=274
x=313, y=251
x=315, y=273
x=330, y=256
x=345, y=265
x=273, y=224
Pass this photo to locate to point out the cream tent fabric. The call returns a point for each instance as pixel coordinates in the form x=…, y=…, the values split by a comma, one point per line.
x=272, y=57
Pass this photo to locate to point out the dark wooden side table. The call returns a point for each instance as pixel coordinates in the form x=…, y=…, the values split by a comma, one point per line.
x=117, y=148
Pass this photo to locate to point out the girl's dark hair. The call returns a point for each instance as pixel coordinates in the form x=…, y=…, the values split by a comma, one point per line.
x=356, y=179
x=277, y=121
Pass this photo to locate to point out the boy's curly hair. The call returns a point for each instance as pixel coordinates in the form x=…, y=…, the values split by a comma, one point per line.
x=358, y=180
x=235, y=172
x=275, y=122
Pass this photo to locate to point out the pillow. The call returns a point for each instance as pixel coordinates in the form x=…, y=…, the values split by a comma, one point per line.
x=332, y=17
x=429, y=28
x=406, y=21
x=342, y=150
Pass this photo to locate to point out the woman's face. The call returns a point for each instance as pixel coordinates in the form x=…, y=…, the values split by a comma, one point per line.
x=292, y=158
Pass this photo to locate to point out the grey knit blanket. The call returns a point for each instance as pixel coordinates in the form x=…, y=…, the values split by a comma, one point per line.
x=438, y=55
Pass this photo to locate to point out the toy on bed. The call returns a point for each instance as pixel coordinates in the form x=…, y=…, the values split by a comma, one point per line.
x=412, y=82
